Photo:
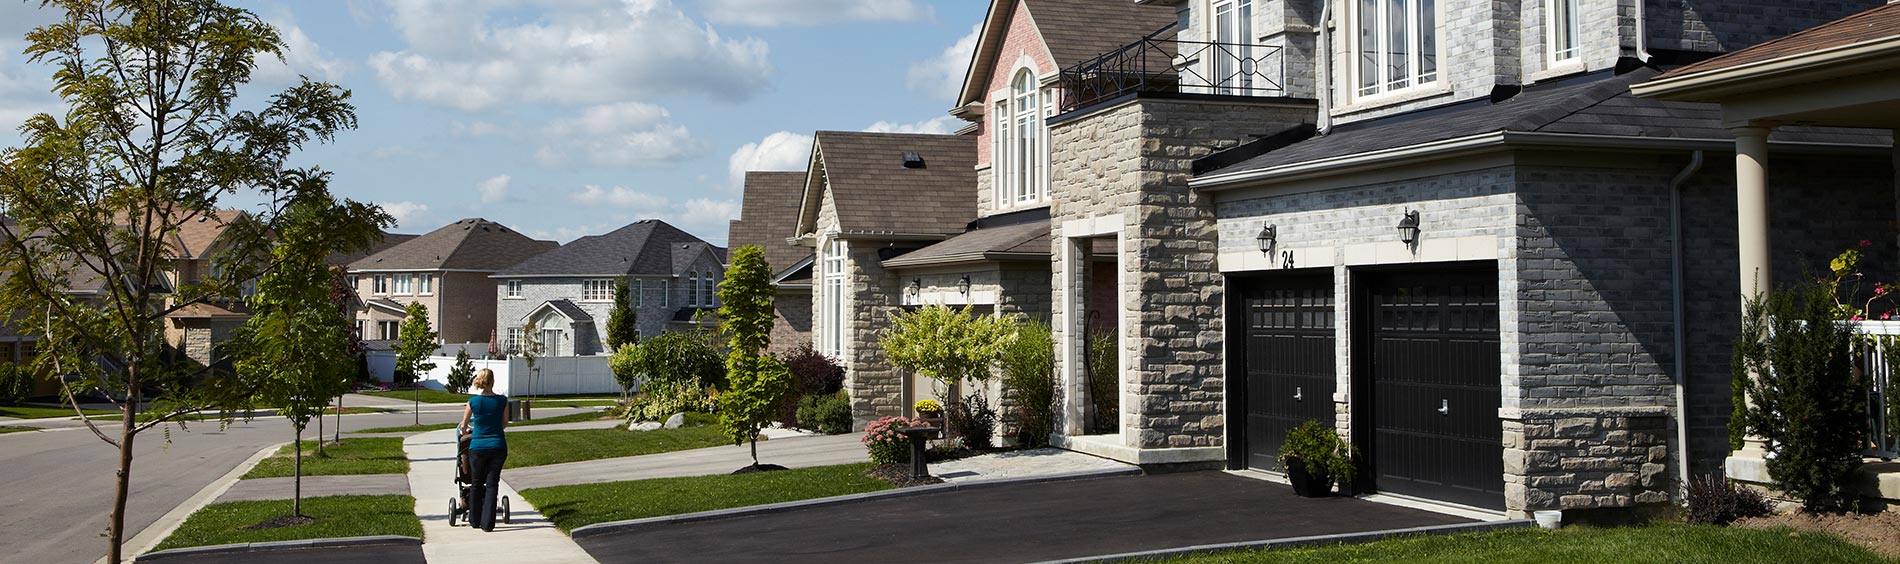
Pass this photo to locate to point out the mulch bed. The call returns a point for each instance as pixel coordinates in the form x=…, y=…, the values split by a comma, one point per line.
x=899, y=475
x=1879, y=532
x=282, y=522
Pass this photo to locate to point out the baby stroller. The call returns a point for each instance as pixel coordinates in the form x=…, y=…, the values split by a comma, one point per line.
x=465, y=481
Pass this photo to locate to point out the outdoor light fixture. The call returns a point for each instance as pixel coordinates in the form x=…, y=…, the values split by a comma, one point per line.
x=963, y=285
x=1408, y=227
x=916, y=287
x=1269, y=238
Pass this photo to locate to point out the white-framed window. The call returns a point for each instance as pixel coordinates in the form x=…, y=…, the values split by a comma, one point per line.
x=379, y=284
x=597, y=290
x=637, y=290
x=1562, y=28
x=999, y=154
x=551, y=342
x=353, y=281
x=666, y=290
x=1234, y=67
x=712, y=289
x=833, y=271
x=1019, y=157
x=425, y=284
x=388, y=330
x=513, y=343
x=359, y=329
x=1396, y=42
x=514, y=289
x=692, y=289
x=405, y=284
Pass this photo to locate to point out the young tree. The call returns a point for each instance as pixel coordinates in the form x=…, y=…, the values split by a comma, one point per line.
x=152, y=138
x=294, y=350
x=415, y=342
x=948, y=345
x=343, y=296
x=756, y=383
x=623, y=323
x=530, y=349
x=462, y=373
x=625, y=363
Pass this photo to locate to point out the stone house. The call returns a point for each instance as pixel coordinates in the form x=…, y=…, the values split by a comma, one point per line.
x=767, y=216
x=567, y=293
x=447, y=271
x=1445, y=228
x=196, y=329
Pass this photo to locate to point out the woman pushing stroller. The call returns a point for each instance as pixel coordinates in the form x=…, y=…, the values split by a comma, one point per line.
x=483, y=421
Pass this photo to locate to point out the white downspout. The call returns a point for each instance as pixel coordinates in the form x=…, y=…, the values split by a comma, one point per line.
x=1324, y=85
x=1681, y=334
x=1642, y=32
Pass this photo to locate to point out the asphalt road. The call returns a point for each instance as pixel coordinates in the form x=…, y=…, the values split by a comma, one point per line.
x=379, y=554
x=56, y=487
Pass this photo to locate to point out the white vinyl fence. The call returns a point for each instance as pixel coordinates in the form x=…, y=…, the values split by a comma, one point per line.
x=551, y=375
x=1883, y=397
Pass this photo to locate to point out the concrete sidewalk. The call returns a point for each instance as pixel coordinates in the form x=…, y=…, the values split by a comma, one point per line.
x=316, y=486
x=797, y=452
x=530, y=539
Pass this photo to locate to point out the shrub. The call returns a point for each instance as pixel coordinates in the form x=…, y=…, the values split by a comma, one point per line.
x=1714, y=500
x=817, y=375
x=16, y=384
x=680, y=367
x=660, y=402
x=1808, y=401
x=829, y=414
x=887, y=445
x=1029, y=375
x=973, y=421
x=1319, y=449
x=1104, y=380
x=462, y=374
x=947, y=345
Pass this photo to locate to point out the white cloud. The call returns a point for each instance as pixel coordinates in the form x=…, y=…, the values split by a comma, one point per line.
x=779, y=151
x=773, y=13
x=494, y=189
x=706, y=218
x=619, y=197
x=25, y=90
x=623, y=134
x=302, y=56
x=569, y=233
x=940, y=125
x=941, y=77
x=464, y=54
x=475, y=128
x=409, y=215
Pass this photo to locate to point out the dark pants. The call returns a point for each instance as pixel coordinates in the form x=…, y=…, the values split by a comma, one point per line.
x=484, y=468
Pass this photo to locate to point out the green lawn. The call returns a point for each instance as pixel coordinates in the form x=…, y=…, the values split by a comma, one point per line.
x=41, y=412
x=571, y=507
x=4, y=429
x=350, y=410
x=354, y=456
x=1671, y=544
x=337, y=517
x=569, y=418
x=541, y=448
x=576, y=403
x=408, y=428
x=428, y=396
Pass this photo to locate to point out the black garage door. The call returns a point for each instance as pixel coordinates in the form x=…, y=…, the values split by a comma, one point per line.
x=1289, y=359
x=1430, y=354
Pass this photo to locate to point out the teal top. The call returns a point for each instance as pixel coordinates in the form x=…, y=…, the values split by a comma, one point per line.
x=486, y=416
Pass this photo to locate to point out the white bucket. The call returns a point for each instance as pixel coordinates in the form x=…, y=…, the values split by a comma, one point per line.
x=1549, y=520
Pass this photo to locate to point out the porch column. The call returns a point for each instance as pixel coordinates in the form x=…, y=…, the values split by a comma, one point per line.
x=1751, y=208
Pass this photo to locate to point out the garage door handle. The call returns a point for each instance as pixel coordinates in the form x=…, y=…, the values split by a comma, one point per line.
x=1299, y=394
x=1444, y=407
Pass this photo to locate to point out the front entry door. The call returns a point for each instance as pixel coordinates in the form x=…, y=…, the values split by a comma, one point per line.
x=1430, y=353
x=1290, y=359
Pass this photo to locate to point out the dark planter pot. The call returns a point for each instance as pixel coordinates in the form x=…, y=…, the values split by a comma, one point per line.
x=1306, y=484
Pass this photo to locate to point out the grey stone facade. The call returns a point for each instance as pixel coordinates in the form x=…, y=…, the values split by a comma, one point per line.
x=661, y=299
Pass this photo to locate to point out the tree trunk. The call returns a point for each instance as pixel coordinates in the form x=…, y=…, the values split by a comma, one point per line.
x=296, y=483
x=339, y=417
x=417, y=395
x=755, y=448
x=123, y=486
x=319, y=430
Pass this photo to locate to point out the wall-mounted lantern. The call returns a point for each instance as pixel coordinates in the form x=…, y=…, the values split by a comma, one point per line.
x=1408, y=227
x=963, y=285
x=1268, y=238
x=916, y=287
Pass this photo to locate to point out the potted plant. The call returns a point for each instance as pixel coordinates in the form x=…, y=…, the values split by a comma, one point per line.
x=1315, y=458
x=930, y=411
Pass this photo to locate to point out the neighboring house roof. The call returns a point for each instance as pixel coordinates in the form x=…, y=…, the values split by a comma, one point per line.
x=796, y=275
x=470, y=244
x=1872, y=25
x=685, y=254
x=563, y=307
x=196, y=237
x=388, y=304
x=205, y=311
x=648, y=247
x=1073, y=30
x=382, y=244
x=875, y=193
x=769, y=215
x=1023, y=236
x=1598, y=104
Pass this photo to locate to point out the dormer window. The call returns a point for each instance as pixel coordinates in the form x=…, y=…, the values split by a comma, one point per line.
x=1019, y=159
x=1396, y=45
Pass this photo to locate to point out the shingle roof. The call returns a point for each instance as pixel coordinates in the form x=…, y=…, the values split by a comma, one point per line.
x=567, y=309
x=470, y=244
x=685, y=254
x=1597, y=103
x=876, y=193
x=644, y=247
x=1879, y=23
x=1078, y=30
x=195, y=236
x=1024, y=238
x=769, y=215
x=383, y=244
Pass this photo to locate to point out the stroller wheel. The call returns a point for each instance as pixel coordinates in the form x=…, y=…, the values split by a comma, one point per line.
x=454, y=508
x=505, y=517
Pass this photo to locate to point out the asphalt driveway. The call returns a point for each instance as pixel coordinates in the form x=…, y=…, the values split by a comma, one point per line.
x=1016, y=523
x=374, y=554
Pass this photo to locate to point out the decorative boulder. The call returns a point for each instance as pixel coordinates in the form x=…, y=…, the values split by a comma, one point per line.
x=676, y=421
x=644, y=426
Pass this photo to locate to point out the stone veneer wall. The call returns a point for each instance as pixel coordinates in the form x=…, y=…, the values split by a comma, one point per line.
x=1128, y=165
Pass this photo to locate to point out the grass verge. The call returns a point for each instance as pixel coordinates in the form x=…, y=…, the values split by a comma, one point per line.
x=571, y=507
x=569, y=418
x=4, y=429
x=554, y=447
x=407, y=428
x=336, y=517
x=1673, y=544
x=376, y=455
x=428, y=396
x=43, y=412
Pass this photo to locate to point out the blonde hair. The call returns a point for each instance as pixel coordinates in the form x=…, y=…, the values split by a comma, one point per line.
x=485, y=379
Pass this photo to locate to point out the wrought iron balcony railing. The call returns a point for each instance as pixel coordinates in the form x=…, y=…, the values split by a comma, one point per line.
x=1160, y=63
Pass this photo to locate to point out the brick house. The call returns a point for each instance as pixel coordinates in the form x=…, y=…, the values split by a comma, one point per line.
x=568, y=293
x=767, y=216
x=446, y=270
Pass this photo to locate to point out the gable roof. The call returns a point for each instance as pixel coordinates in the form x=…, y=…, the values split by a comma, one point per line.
x=876, y=194
x=1592, y=104
x=641, y=248
x=562, y=307
x=1073, y=31
x=769, y=215
x=196, y=236
x=471, y=244
x=1872, y=25
x=381, y=244
x=1025, y=240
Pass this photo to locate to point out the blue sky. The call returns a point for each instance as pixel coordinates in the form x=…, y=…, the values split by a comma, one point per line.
x=564, y=118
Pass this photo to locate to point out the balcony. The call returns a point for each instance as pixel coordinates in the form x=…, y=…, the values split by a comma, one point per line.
x=1159, y=63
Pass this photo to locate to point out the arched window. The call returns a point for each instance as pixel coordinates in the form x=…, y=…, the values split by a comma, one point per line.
x=1025, y=140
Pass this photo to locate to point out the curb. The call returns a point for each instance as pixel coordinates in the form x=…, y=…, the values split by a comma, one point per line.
x=278, y=545
x=632, y=524
x=156, y=532
x=1333, y=539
